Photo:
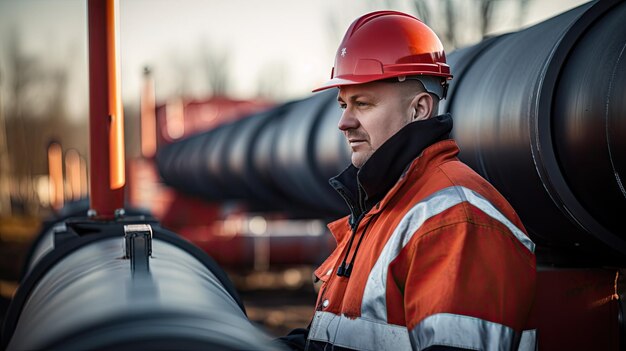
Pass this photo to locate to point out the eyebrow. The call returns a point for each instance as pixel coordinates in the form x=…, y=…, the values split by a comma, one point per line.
x=353, y=97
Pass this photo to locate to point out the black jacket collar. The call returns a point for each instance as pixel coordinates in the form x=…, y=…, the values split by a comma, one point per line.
x=363, y=188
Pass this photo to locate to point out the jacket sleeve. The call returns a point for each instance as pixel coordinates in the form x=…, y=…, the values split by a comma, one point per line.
x=468, y=284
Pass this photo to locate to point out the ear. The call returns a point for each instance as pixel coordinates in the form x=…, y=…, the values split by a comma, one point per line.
x=422, y=105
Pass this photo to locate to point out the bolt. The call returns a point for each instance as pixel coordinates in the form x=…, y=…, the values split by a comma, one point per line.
x=119, y=213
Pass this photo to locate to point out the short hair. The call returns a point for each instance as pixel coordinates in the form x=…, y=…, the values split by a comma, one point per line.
x=416, y=86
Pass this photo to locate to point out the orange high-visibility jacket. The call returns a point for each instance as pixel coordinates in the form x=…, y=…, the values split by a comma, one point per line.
x=444, y=260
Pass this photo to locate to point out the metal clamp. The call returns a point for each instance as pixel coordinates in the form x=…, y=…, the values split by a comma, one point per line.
x=138, y=245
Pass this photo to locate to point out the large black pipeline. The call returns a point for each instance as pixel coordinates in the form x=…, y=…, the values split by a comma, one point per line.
x=539, y=113
x=124, y=285
x=279, y=160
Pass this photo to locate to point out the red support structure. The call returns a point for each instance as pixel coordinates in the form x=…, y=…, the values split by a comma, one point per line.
x=106, y=121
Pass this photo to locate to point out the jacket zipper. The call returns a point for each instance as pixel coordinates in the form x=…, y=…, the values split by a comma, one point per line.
x=345, y=269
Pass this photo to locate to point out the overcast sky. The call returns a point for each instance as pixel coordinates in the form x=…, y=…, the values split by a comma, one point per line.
x=292, y=39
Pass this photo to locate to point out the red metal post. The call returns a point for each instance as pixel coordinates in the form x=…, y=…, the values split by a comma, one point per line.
x=106, y=120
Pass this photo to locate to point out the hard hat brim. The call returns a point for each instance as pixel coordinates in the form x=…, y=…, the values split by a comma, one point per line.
x=356, y=79
x=362, y=79
x=337, y=82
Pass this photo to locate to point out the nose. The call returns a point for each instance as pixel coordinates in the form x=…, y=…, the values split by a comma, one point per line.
x=347, y=121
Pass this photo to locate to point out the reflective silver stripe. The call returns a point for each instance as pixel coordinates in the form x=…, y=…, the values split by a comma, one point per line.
x=446, y=329
x=478, y=201
x=528, y=342
x=358, y=333
x=374, y=304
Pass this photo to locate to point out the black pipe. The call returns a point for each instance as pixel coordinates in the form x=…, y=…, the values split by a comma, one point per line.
x=539, y=113
x=277, y=160
x=127, y=284
x=533, y=114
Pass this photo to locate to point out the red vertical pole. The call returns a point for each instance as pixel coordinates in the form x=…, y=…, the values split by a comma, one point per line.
x=106, y=120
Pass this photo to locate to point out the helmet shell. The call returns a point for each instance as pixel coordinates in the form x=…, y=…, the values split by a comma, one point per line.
x=387, y=44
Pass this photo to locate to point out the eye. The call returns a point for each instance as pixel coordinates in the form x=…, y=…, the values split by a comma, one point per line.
x=342, y=105
x=361, y=103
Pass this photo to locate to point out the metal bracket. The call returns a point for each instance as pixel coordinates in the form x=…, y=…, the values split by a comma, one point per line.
x=138, y=245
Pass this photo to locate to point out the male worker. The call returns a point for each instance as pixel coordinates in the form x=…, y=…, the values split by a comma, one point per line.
x=431, y=257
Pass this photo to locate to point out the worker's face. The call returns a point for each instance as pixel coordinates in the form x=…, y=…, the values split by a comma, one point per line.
x=372, y=113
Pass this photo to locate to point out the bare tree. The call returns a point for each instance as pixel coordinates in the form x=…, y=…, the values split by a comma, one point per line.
x=522, y=12
x=215, y=64
x=485, y=8
x=422, y=10
x=38, y=96
x=389, y=3
x=450, y=15
x=24, y=71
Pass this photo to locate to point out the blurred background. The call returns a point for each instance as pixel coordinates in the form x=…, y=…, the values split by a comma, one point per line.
x=195, y=64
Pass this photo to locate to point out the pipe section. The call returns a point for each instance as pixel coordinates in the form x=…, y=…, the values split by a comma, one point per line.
x=125, y=285
x=280, y=159
x=537, y=113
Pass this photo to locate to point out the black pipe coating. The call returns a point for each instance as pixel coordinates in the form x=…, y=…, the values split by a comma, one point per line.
x=90, y=287
x=540, y=114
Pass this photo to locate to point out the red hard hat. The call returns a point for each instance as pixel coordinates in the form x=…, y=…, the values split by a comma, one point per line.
x=387, y=44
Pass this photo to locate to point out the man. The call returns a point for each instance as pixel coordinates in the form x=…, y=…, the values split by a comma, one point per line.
x=431, y=257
